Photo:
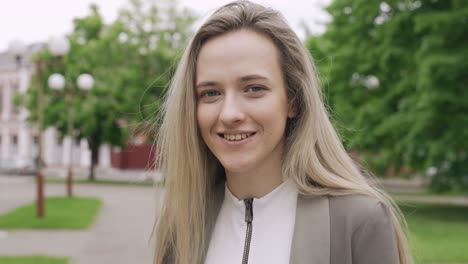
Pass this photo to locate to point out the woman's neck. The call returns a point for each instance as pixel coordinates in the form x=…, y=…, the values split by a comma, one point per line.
x=255, y=184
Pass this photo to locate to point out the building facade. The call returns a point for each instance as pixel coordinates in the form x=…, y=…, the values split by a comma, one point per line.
x=19, y=138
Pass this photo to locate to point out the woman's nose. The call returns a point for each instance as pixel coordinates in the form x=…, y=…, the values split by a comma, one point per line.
x=231, y=111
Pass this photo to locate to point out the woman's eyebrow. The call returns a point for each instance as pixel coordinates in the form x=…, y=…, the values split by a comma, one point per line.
x=205, y=84
x=252, y=77
x=246, y=78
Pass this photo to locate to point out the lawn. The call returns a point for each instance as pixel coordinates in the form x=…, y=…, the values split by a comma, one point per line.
x=33, y=260
x=60, y=213
x=438, y=232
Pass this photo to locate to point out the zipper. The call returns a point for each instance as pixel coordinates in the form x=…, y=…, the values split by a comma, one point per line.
x=248, y=235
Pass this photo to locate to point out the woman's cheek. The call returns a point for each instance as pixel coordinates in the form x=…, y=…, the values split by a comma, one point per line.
x=205, y=117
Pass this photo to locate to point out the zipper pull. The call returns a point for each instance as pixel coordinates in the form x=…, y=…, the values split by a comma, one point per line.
x=248, y=210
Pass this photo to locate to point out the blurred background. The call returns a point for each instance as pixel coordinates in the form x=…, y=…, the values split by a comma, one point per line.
x=81, y=83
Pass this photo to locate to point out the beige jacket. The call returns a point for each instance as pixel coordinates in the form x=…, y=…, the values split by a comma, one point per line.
x=353, y=229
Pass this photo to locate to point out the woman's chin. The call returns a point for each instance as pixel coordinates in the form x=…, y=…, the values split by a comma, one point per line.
x=236, y=167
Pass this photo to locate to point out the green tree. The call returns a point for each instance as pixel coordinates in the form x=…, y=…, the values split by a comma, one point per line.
x=395, y=73
x=131, y=60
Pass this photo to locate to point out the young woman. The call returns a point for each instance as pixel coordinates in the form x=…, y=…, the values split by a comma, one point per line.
x=255, y=172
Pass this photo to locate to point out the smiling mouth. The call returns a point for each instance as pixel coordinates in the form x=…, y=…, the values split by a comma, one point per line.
x=236, y=137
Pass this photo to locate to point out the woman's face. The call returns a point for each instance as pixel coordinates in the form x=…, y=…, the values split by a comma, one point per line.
x=242, y=105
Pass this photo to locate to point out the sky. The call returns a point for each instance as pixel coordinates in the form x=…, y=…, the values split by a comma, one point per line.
x=38, y=20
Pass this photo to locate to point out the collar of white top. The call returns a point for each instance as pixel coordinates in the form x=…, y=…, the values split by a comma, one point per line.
x=282, y=198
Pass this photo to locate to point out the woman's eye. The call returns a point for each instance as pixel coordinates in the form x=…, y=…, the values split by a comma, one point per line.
x=255, y=89
x=209, y=93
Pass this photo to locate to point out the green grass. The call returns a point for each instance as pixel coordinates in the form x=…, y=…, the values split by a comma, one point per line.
x=438, y=232
x=33, y=260
x=60, y=213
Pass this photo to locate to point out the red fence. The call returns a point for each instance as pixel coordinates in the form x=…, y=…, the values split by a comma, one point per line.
x=134, y=157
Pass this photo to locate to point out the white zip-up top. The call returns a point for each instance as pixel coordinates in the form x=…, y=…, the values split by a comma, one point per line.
x=255, y=231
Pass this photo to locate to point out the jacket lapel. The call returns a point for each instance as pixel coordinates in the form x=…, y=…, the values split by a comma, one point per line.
x=311, y=238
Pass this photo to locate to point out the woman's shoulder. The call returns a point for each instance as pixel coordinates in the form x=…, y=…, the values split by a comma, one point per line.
x=361, y=226
x=354, y=211
x=357, y=203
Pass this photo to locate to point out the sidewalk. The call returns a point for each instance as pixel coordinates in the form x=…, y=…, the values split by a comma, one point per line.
x=120, y=235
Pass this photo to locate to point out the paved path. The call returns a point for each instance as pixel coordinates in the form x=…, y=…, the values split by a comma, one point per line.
x=120, y=235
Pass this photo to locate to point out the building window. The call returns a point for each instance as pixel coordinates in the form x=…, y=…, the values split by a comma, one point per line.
x=15, y=86
x=14, y=140
x=15, y=108
x=14, y=93
x=1, y=99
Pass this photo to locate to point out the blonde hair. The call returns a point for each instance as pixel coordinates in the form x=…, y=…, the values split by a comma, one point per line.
x=314, y=157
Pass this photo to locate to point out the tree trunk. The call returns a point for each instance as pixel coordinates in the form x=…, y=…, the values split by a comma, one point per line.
x=94, y=146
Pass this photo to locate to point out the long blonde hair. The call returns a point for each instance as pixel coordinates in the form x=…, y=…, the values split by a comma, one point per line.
x=314, y=156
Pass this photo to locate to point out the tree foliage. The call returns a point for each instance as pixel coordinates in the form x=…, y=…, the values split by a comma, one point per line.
x=131, y=60
x=395, y=74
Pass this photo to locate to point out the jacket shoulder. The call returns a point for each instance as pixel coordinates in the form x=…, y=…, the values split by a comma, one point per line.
x=361, y=231
x=351, y=211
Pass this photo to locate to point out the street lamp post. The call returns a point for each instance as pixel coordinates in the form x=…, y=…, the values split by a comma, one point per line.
x=40, y=124
x=59, y=47
x=57, y=82
x=17, y=48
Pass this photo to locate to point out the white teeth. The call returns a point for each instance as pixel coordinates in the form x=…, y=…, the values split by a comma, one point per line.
x=236, y=137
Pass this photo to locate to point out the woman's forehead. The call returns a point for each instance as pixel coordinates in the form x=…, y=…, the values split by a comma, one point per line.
x=238, y=54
